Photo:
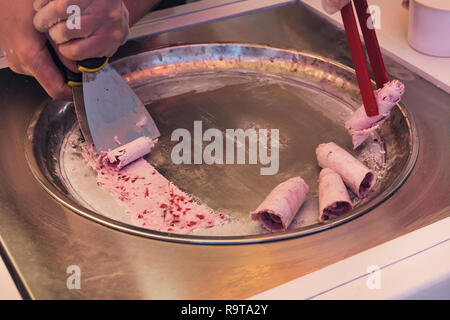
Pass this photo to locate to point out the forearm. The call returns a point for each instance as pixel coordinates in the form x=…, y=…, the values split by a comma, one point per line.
x=139, y=8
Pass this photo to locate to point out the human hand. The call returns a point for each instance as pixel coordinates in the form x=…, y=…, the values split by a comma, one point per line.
x=333, y=6
x=26, y=49
x=103, y=26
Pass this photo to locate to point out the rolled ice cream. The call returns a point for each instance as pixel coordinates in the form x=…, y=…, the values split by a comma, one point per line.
x=334, y=199
x=279, y=208
x=355, y=174
x=360, y=125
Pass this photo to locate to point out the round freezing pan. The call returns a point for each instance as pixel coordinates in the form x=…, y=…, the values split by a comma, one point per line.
x=229, y=86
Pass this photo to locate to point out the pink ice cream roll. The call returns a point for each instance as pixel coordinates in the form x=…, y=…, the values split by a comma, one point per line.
x=355, y=174
x=279, y=208
x=126, y=154
x=333, y=195
x=360, y=125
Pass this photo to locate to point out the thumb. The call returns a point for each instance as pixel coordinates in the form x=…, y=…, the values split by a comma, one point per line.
x=69, y=64
x=49, y=76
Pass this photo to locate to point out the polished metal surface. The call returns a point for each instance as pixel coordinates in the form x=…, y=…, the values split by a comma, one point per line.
x=200, y=12
x=43, y=238
x=238, y=86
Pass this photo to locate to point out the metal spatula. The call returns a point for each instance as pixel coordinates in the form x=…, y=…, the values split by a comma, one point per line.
x=109, y=112
x=114, y=113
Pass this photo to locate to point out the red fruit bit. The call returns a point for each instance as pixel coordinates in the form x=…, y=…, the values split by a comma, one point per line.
x=140, y=216
x=170, y=229
x=163, y=206
x=191, y=200
x=200, y=216
x=146, y=192
x=126, y=179
x=191, y=223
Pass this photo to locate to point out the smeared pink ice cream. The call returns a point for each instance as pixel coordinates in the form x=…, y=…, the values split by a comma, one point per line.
x=152, y=201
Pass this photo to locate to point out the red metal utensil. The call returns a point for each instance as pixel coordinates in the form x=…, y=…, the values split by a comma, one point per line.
x=371, y=41
x=358, y=57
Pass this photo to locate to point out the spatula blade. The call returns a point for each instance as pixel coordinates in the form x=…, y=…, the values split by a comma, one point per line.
x=80, y=110
x=115, y=114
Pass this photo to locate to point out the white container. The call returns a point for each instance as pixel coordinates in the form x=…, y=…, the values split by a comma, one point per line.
x=429, y=26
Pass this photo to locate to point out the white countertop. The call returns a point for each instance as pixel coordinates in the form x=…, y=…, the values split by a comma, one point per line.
x=413, y=266
x=8, y=288
x=393, y=41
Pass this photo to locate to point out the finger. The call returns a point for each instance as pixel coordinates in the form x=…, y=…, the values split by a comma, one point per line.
x=333, y=6
x=61, y=33
x=98, y=45
x=38, y=4
x=69, y=64
x=49, y=76
x=49, y=15
x=55, y=12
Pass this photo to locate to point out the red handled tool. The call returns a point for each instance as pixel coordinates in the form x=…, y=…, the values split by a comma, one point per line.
x=358, y=57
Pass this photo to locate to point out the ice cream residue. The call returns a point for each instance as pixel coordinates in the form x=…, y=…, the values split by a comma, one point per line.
x=152, y=201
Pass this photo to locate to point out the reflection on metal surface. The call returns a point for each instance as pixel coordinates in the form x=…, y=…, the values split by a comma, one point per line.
x=230, y=86
x=199, y=13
